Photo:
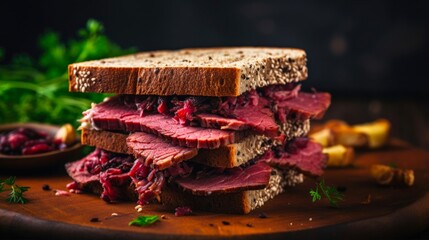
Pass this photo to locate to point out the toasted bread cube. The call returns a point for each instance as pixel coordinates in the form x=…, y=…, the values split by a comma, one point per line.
x=339, y=155
x=324, y=137
x=386, y=175
x=377, y=132
x=350, y=138
x=382, y=174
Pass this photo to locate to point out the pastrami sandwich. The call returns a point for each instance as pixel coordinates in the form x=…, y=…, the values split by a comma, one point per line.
x=219, y=129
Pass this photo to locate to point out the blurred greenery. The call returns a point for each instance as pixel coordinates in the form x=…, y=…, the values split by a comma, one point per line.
x=37, y=89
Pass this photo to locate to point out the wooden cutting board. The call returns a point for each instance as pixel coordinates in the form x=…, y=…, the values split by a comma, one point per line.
x=391, y=212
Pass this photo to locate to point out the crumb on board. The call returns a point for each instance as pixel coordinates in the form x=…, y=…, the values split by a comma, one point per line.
x=61, y=193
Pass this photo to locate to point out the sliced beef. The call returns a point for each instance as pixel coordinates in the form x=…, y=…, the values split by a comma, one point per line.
x=85, y=172
x=306, y=158
x=249, y=111
x=259, y=119
x=186, y=136
x=305, y=105
x=150, y=181
x=103, y=167
x=157, y=151
x=208, y=120
x=236, y=179
x=113, y=115
x=114, y=182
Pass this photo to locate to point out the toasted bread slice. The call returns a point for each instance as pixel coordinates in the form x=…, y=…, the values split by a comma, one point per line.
x=226, y=157
x=239, y=202
x=202, y=72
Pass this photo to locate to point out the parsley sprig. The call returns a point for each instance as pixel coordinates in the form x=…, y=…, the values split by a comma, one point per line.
x=16, y=194
x=331, y=193
x=143, y=220
x=36, y=89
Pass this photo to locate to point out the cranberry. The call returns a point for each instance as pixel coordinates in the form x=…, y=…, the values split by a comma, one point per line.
x=31, y=133
x=58, y=142
x=38, y=148
x=3, y=142
x=31, y=143
x=16, y=140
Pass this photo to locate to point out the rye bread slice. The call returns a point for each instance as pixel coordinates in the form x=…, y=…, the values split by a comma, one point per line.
x=236, y=203
x=202, y=72
x=228, y=156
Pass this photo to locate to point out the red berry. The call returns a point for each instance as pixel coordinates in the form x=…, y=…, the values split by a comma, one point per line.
x=38, y=148
x=30, y=133
x=16, y=140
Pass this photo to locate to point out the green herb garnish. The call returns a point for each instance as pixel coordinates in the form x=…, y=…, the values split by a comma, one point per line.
x=16, y=192
x=37, y=89
x=143, y=220
x=331, y=193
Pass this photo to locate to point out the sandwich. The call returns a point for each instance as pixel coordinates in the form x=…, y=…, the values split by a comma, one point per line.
x=216, y=129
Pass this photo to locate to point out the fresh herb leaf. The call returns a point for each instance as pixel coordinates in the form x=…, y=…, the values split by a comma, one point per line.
x=37, y=89
x=315, y=194
x=143, y=220
x=16, y=194
x=10, y=181
x=329, y=192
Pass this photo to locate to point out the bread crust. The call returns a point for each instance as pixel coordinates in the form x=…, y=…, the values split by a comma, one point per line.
x=230, y=72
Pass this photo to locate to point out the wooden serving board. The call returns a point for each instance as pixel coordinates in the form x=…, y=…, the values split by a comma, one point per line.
x=392, y=212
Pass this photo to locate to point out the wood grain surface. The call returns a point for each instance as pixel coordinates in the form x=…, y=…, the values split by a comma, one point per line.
x=392, y=211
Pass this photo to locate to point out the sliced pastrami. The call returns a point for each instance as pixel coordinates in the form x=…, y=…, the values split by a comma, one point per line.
x=306, y=157
x=103, y=167
x=259, y=118
x=113, y=115
x=177, y=134
x=305, y=105
x=208, y=120
x=236, y=179
x=157, y=151
x=85, y=172
x=114, y=182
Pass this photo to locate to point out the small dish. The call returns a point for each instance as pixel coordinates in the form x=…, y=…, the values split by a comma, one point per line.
x=41, y=160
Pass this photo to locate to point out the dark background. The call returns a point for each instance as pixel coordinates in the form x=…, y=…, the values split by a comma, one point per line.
x=357, y=48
